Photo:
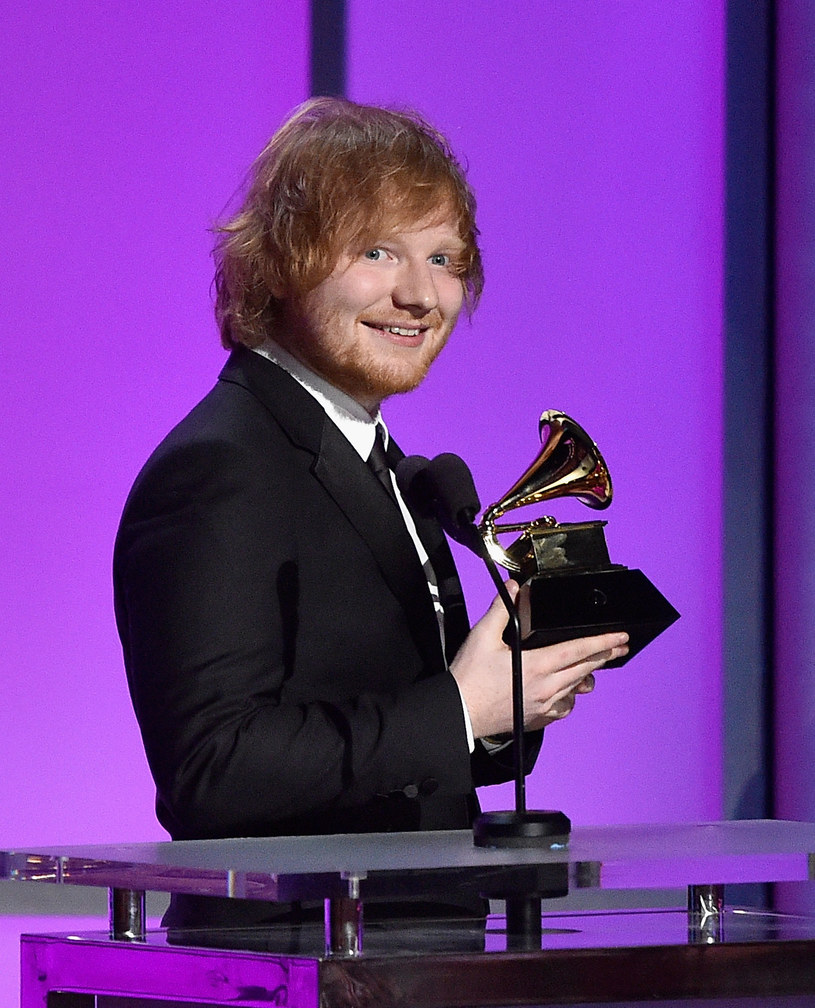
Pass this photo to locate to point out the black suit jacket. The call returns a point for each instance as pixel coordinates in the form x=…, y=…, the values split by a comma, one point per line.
x=282, y=651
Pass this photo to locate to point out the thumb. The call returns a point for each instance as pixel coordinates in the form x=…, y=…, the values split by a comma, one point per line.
x=497, y=612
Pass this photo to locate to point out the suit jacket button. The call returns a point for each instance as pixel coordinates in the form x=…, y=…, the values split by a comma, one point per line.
x=411, y=791
x=429, y=787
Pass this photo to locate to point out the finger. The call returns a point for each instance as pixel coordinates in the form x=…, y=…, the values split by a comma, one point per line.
x=595, y=651
x=572, y=677
x=586, y=685
x=564, y=705
x=578, y=678
x=561, y=708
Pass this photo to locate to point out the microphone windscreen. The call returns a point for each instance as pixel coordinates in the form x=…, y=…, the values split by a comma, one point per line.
x=414, y=484
x=455, y=491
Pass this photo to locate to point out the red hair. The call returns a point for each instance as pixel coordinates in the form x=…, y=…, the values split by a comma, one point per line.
x=334, y=175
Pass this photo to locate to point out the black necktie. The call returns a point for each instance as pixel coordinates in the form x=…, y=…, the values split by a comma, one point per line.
x=378, y=461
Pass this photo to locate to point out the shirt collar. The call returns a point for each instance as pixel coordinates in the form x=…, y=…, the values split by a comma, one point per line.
x=355, y=422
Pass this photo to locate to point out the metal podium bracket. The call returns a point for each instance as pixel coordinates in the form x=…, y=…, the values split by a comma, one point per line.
x=127, y=915
x=344, y=920
x=705, y=914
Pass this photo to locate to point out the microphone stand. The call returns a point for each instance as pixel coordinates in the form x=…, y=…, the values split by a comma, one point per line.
x=521, y=827
x=444, y=487
x=519, y=761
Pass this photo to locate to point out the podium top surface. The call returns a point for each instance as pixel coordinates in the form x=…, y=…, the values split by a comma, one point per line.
x=284, y=868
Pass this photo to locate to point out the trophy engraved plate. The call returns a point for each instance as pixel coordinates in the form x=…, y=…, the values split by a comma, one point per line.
x=569, y=587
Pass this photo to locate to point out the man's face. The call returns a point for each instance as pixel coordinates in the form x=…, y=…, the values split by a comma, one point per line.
x=375, y=325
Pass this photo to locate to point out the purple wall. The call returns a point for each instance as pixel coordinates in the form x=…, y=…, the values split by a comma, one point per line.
x=594, y=134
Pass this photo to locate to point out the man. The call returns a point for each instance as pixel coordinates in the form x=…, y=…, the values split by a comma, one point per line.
x=295, y=639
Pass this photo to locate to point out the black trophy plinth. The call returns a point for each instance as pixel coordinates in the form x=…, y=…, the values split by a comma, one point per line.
x=571, y=589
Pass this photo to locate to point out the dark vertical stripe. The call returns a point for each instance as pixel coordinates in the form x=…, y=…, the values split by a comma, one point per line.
x=749, y=282
x=328, y=47
x=794, y=360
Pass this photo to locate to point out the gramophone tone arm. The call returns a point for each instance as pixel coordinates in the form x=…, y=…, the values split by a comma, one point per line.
x=545, y=521
x=490, y=530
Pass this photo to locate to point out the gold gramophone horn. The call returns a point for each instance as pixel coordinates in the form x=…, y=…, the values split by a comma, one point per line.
x=569, y=465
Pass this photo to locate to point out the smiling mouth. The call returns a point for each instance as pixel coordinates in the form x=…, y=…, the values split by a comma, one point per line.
x=408, y=331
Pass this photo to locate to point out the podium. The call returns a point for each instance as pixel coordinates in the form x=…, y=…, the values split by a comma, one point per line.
x=632, y=914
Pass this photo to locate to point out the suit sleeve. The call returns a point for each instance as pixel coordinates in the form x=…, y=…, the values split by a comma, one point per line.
x=498, y=767
x=208, y=569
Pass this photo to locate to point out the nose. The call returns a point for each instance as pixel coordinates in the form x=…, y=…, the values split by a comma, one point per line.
x=415, y=288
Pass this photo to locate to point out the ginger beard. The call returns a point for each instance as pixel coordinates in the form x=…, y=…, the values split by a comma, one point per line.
x=369, y=369
x=374, y=326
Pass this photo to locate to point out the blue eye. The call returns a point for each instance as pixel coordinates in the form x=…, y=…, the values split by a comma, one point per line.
x=373, y=255
x=440, y=259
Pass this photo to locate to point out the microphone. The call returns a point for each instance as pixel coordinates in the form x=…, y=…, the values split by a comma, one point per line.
x=456, y=496
x=443, y=488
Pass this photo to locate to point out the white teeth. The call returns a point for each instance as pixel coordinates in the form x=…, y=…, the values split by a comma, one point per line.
x=398, y=331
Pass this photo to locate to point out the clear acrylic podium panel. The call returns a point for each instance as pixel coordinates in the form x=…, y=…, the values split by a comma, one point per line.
x=614, y=939
x=287, y=868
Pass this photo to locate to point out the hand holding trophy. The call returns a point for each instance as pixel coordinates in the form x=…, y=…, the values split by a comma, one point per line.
x=569, y=587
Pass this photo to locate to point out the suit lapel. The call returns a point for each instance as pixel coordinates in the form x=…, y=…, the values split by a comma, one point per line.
x=351, y=484
x=376, y=518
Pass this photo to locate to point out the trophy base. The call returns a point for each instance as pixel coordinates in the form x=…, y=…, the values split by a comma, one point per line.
x=521, y=829
x=567, y=604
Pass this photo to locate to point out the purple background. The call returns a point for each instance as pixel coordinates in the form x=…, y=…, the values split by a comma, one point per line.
x=594, y=133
